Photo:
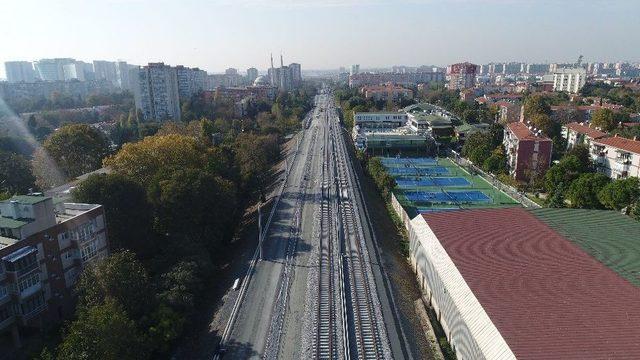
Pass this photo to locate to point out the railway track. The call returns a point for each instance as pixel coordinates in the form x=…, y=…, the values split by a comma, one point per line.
x=344, y=271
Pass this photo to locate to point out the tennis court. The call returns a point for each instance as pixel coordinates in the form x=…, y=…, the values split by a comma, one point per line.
x=408, y=182
x=393, y=161
x=433, y=170
x=447, y=196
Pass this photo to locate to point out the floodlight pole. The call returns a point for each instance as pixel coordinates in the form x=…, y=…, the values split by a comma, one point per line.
x=260, y=230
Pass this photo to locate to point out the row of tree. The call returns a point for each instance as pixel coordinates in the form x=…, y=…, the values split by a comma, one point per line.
x=574, y=182
x=172, y=203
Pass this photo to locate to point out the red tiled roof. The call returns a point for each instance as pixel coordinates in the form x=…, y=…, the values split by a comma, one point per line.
x=621, y=143
x=547, y=297
x=584, y=129
x=522, y=132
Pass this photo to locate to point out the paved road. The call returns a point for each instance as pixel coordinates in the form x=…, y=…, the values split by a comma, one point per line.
x=274, y=317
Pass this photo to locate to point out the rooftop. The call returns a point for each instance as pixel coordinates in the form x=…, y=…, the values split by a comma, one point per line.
x=548, y=298
x=586, y=130
x=28, y=199
x=621, y=143
x=522, y=132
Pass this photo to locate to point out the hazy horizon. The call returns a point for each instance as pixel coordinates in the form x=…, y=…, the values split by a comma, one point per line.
x=321, y=35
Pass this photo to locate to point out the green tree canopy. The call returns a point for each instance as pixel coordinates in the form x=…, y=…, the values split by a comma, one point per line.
x=604, y=119
x=536, y=104
x=15, y=174
x=119, y=278
x=583, y=191
x=77, y=149
x=564, y=172
x=620, y=193
x=106, y=332
x=126, y=208
x=581, y=152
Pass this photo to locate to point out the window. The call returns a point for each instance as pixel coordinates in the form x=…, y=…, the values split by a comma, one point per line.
x=89, y=251
x=33, y=304
x=28, y=281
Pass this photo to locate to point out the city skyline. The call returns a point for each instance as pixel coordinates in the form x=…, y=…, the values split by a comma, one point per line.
x=220, y=34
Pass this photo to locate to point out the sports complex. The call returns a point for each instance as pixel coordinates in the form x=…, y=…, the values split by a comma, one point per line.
x=435, y=184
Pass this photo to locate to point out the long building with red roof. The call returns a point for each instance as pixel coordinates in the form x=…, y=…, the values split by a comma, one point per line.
x=512, y=283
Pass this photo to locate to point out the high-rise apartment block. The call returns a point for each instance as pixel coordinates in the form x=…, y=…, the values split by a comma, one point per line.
x=252, y=75
x=43, y=249
x=570, y=80
x=285, y=78
x=190, y=81
x=19, y=71
x=156, y=92
x=462, y=75
x=52, y=69
x=106, y=70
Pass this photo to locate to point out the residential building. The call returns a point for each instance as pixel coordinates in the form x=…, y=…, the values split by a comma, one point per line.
x=296, y=74
x=508, y=111
x=528, y=151
x=252, y=75
x=190, y=81
x=44, y=246
x=106, y=70
x=570, y=80
x=386, y=92
x=156, y=93
x=406, y=79
x=355, y=69
x=580, y=134
x=123, y=74
x=616, y=157
x=512, y=283
x=462, y=75
x=74, y=71
x=537, y=69
x=19, y=71
x=44, y=89
x=285, y=78
x=52, y=69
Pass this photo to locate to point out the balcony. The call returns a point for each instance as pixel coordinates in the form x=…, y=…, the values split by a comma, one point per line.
x=623, y=160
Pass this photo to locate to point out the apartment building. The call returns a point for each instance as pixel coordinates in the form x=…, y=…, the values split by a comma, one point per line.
x=156, y=92
x=579, y=134
x=462, y=75
x=386, y=92
x=570, y=80
x=616, y=157
x=528, y=151
x=43, y=248
x=409, y=78
x=378, y=120
x=19, y=71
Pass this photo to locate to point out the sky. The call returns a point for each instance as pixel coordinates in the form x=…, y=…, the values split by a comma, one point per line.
x=218, y=34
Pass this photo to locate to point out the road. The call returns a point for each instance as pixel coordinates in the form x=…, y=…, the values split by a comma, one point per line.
x=319, y=260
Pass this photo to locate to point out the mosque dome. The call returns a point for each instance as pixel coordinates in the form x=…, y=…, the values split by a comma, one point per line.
x=261, y=81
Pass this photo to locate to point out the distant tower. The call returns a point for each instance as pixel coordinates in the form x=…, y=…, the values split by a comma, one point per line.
x=272, y=60
x=281, y=61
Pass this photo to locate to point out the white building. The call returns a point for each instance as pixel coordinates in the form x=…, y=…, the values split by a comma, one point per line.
x=355, y=69
x=616, y=157
x=106, y=70
x=74, y=71
x=380, y=119
x=156, y=92
x=19, y=71
x=52, y=69
x=577, y=134
x=252, y=75
x=570, y=80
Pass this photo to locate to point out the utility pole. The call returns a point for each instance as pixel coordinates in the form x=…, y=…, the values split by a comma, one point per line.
x=260, y=230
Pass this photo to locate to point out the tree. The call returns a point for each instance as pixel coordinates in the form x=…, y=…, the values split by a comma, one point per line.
x=144, y=160
x=620, y=194
x=77, y=149
x=581, y=152
x=195, y=205
x=119, y=278
x=104, y=331
x=564, y=172
x=180, y=286
x=583, y=192
x=128, y=213
x=254, y=156
x=15, y=174
x=542, y=122
x=536, y=104
x=496, y=163
x=604, y=119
